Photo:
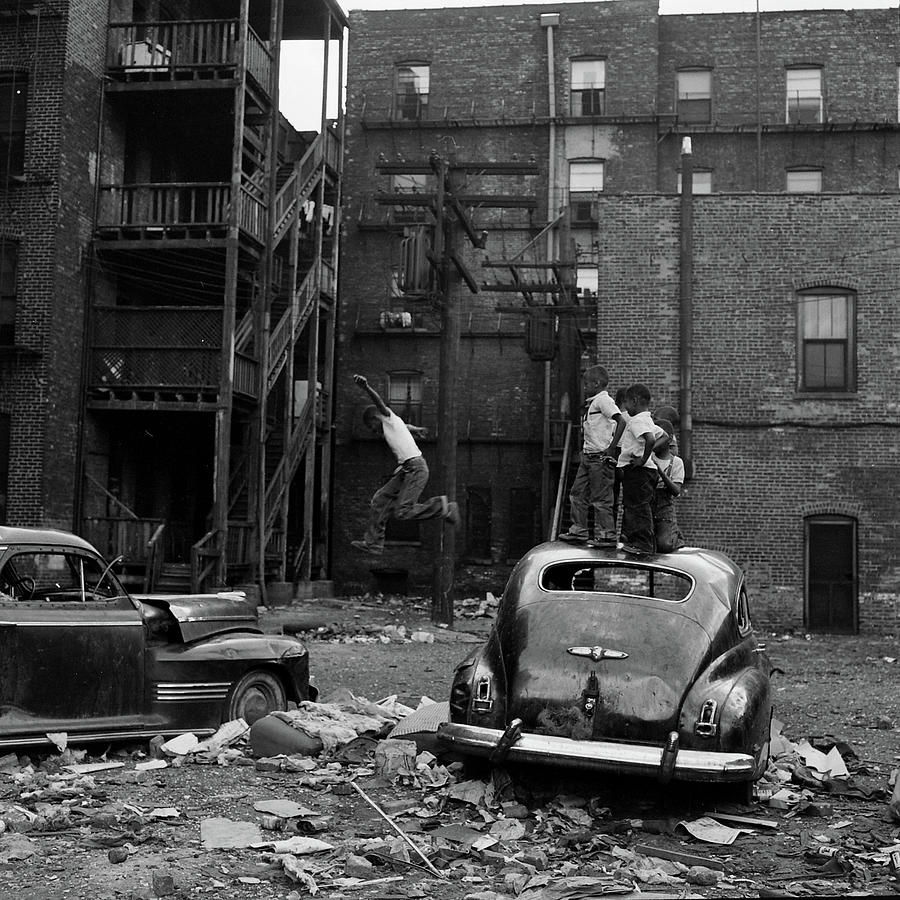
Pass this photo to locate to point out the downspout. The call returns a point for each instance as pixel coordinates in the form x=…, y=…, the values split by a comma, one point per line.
x=549, y=21
x=758, y=101
x=686, y=317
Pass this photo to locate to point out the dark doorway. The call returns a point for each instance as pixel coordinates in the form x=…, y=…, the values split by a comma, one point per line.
x=831, y=582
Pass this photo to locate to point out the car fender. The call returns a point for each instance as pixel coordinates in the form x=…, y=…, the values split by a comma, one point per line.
x=483, y=666
x=741, y=691
x=229, y=656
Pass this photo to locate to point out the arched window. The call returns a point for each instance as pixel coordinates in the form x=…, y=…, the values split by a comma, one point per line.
x=826, y=340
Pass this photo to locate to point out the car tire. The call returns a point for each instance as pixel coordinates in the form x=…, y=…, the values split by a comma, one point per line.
x=255, y=695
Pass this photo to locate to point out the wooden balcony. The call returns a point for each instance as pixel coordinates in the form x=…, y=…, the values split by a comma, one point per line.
x=148, y=54
x=179, y=211
x=163, y=357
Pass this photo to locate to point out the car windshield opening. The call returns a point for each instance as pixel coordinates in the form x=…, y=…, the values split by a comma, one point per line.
x=617, y=578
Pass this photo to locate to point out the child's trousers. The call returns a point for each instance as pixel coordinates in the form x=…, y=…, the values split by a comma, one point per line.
x=399, y=498
x=593, y=488
x=638, y=486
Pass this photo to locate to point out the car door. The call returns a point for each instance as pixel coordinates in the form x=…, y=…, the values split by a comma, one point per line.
x=71, y=645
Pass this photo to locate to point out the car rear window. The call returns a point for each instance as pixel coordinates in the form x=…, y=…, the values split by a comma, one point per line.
x=617, y=578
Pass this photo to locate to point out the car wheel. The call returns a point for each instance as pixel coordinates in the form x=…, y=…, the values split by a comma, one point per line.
x=255, y=695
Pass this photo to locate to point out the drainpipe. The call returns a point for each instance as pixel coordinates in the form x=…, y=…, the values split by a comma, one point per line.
x=686, y=318
x=549, y=21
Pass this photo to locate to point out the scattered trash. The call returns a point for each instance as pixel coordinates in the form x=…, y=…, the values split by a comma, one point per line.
x=217, y=833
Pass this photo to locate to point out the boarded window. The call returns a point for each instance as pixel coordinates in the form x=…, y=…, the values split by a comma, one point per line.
x=804, y=181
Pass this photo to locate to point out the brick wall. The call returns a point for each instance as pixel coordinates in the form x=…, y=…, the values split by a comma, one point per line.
x=766, y=457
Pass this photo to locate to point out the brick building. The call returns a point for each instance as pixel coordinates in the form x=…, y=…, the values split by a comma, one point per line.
x=167, y=285
x=760, y=301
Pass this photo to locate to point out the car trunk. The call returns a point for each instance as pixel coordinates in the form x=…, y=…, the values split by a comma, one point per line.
x=636, y=698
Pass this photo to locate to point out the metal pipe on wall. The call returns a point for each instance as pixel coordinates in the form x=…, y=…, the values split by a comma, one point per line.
x=686, y=310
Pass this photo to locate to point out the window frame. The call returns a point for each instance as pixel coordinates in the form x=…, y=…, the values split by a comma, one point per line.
x=582, y=199
x=402, y=110
x=597, y=103
x=805, y=343
x=9, y=255
x=819, y=96
x=803, y=170
x=682, y=110
x=704, y=183
x=13, y=125
x=409, y=409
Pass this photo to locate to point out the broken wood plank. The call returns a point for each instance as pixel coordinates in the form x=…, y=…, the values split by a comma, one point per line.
x=688, y=859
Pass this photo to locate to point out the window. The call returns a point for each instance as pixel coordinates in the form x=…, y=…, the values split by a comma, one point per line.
x=695, y=96
x=56, y=576
x=5, y=429
x=701, y=182
x=405, y=396
x=588, y=87
x=409, y=183
x=804, y=96
x=804, y=181
x=411, y=93
x=617, y=579
x=826, y=325
x=587, y=281
x=585, y=181
x=9, y=253
x=13, y=107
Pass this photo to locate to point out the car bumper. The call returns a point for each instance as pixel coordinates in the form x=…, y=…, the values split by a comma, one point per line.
x=601, y=756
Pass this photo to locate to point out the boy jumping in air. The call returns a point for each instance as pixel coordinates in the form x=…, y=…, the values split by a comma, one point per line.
x=400, y=496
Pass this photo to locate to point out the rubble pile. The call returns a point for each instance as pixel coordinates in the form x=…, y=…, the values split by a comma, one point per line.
x=368, y=814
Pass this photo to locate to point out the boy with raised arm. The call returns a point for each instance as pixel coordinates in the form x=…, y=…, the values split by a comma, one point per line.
x=399, y=497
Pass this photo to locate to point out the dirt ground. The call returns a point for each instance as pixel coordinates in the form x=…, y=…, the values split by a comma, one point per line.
x=560, y=837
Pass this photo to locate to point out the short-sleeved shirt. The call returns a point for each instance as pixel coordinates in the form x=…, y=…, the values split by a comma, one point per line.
x=632, y=440
x=598, y=424
x=401, y=442
x=673, y=467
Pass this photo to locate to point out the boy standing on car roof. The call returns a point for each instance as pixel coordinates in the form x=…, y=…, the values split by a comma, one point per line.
x=671, y=480
x=602, y=425
x=400, y=495
x=639, y=474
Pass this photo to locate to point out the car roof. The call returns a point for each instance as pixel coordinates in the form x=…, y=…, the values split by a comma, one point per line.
x=41, y=536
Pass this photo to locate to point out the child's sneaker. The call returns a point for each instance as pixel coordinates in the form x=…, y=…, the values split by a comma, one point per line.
x=571, y=538
x=602, y=542
x=630, y=548
x=367, y=548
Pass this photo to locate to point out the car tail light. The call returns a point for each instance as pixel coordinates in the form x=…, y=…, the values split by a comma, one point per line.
x=706, y=722
x=459, y=701
x=483, y=701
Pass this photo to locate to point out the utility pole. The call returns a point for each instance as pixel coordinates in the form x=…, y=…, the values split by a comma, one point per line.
x=450, y=204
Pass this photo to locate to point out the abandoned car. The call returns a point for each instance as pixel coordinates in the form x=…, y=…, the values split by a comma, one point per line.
x=610, y=662
x=79, y=655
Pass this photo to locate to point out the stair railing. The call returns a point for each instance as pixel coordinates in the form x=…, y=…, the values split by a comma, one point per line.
x=562, y=486
x=204, y=555
x=155, y=554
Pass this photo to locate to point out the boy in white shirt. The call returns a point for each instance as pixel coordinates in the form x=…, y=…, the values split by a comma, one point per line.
x=639, y=474
x=671, y=480
x=602, y=424
x=399, y=497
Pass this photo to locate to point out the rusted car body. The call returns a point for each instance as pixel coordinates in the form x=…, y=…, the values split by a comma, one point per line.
x=79, y=655
x=610, y=662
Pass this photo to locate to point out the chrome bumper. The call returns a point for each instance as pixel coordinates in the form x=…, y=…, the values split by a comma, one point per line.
x=602, y=756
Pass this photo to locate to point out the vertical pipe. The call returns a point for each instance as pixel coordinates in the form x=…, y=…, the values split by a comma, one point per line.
x=686, y=318
x=758, y=102
x=549, y=21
